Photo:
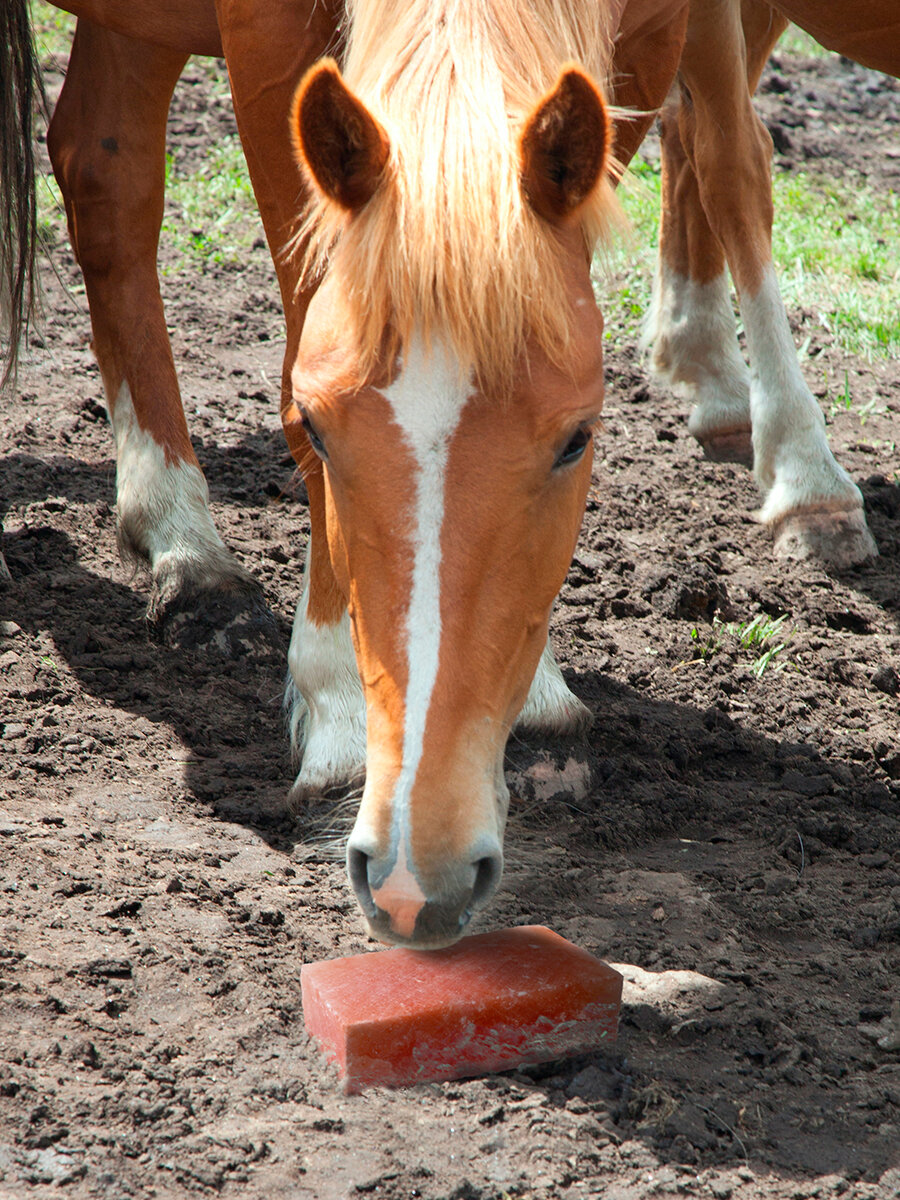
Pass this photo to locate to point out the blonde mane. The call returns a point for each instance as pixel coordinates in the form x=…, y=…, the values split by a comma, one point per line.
x=448, y=245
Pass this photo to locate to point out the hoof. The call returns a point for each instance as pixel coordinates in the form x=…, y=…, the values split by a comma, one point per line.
x=554, y=713
x=839, y=539
x=551, y=708
x=329, y=744
x=735, y=446
x=307, y=794
x=229, y=619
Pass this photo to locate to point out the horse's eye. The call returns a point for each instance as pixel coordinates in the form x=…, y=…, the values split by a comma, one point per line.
x=575, y=447
x=314, y=440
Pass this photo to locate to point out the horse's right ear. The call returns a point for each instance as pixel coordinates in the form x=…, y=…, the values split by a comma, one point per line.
x=337, y=140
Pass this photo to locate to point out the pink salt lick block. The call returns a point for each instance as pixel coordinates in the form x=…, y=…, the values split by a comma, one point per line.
x=488, y=1003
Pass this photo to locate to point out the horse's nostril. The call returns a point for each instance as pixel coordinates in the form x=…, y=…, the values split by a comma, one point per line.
x=358, y=870
x=487, y=877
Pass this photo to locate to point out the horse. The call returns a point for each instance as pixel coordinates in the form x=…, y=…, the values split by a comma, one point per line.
x=717, y=207
x=431, y=206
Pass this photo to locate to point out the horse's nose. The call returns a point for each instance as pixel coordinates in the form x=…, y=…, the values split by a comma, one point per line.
x=397, y=908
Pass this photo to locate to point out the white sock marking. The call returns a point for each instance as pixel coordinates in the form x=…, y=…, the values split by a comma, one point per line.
x=793, y=462
x=328, y=710
x=164, y=507
x=691, y=332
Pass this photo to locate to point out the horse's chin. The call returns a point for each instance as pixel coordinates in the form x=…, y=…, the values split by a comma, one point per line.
x=427, y=943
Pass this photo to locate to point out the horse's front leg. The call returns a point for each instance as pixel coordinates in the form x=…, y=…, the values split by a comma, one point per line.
x=810, y=503
x=324, y=697
x=107, y=145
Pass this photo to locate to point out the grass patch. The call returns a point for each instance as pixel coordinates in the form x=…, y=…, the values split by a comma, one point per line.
x=760, y=639
x=797, y=42
x=211, y=214
x=833, y=242
x=835, y=247
x=53, y=30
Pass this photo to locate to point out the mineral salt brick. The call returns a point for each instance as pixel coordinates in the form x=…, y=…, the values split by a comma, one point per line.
x=488, y=1003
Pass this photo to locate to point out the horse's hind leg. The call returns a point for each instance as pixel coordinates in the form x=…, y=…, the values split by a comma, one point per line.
x=811, y=504
x=107, y=145
x=691, y=327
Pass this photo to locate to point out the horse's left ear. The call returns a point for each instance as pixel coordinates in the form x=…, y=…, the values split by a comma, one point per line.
x=337, y=139
x=564, y=146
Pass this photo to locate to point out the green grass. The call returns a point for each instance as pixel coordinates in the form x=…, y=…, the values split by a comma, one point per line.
x=835, y=244
x=53, y=29
x=760, y=638
x=797, y=42
x=211, y=213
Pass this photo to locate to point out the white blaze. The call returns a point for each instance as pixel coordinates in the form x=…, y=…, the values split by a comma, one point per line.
x=427, y=400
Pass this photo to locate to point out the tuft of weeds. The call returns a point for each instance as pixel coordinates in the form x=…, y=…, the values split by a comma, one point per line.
x=52, y=28
x=761, y=636
x=799, y=43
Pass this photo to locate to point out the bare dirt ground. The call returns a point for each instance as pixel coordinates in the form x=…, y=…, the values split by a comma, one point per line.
x=156, y=902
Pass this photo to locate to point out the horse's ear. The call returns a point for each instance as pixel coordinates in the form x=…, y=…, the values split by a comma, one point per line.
x=337, y=139
x=564, y=146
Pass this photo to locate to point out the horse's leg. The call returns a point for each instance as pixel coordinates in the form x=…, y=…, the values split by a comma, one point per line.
x=268, y=48
x=690, y=327
x=810, y=502
x=645, y=62
x=107, y=145
x=646, y=58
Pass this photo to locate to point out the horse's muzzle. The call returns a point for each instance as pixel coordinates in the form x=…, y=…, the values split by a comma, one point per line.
x=399, y=912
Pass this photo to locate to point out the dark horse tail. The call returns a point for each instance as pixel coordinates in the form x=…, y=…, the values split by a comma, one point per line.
x=20, y=91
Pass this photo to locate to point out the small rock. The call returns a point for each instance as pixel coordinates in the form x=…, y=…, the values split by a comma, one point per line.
x=865, y=937
x=777, y=883
x=9, y=629
x=14, y=730
x=886, y=680
x=105, y=968
x=545, y=781
x=690, y=1123
x=890, y=1038
x=877, y=860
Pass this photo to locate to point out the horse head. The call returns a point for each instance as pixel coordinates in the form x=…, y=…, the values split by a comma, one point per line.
x=455, y=443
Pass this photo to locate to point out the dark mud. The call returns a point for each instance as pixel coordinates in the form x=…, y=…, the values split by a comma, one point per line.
x=156, y=902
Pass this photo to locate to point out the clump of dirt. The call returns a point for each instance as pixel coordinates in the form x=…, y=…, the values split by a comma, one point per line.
x=732, y=819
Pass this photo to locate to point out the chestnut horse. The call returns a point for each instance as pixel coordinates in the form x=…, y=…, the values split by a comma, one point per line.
x=444, y=195
x=441, y=385
x=717, y=206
